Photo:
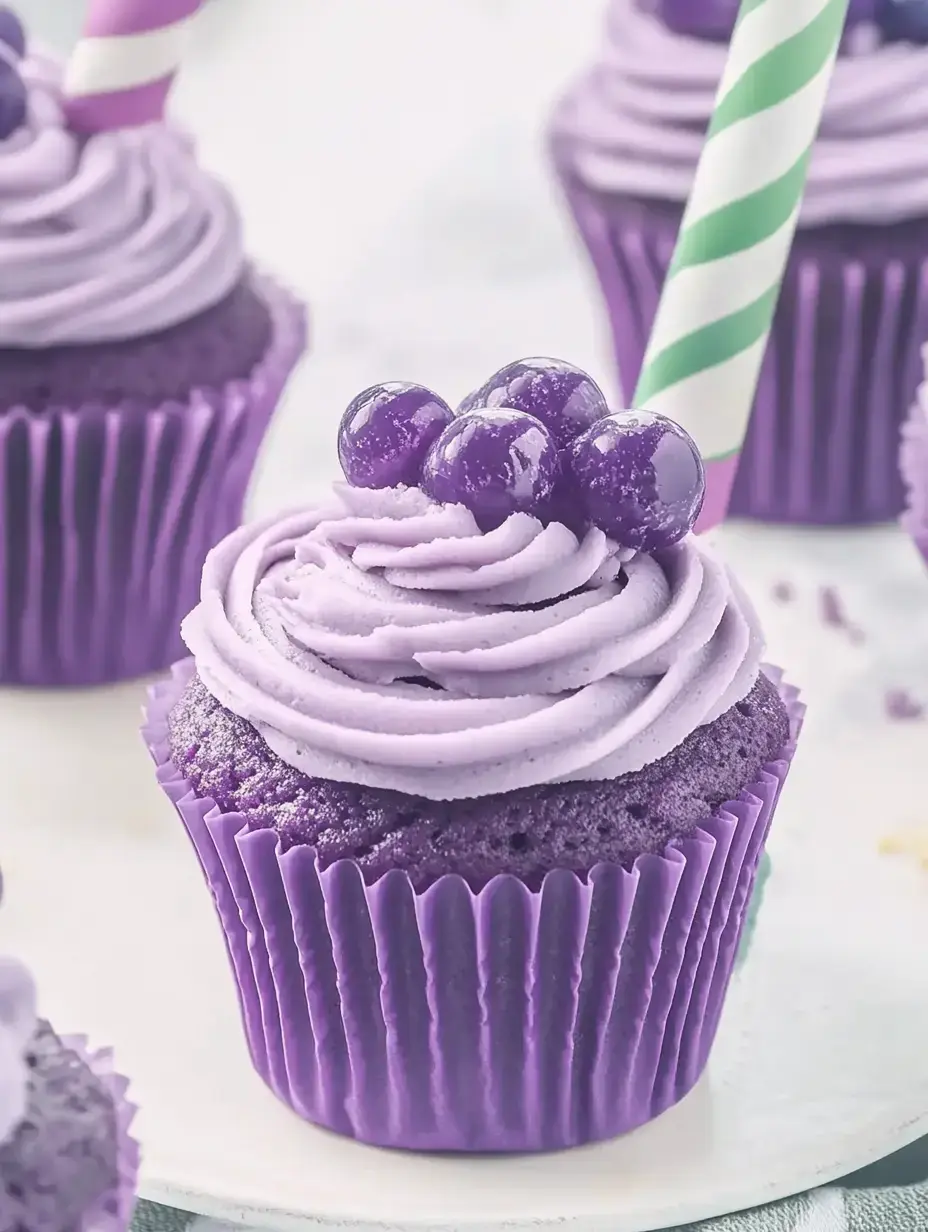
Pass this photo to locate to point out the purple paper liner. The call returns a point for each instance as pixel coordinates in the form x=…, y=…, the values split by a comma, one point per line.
x=504, y=1020
x=840, y=370
x=112, y=1212
x=913, y=465
x=108, y=514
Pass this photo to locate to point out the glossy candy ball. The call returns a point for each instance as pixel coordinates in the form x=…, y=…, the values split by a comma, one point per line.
x=640, y=477
x=386, y=433
x=563, y=397
x=12, y=34
x=904, y=20
x=13, y=101
x=494, y=462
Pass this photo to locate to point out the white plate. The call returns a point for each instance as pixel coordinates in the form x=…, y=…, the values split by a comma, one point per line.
x=821, y=1065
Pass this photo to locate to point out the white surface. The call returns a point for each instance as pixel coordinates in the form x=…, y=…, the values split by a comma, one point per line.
x=405, y=192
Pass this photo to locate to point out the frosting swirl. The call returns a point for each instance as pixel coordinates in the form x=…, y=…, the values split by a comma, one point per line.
x=17, y=1026
x=635, y=124
x=385, y=641
x=108, y=237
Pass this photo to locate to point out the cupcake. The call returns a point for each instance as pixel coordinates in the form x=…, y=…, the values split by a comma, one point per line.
x=480, y=788
x=67, y=1163
x=913, y=464
x=141, y=357
x=842, y=361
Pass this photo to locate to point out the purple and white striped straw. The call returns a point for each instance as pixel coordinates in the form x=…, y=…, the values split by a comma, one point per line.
x=121, y=70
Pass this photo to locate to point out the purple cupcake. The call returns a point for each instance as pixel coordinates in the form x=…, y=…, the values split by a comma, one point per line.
x=67, y=1163
x=141, y=357
x=913, y=464
x=842, y=361
x=480, y=798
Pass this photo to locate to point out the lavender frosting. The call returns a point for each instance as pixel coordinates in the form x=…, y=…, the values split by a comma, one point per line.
x=635, y=124
x=550, y=658
x=17, y=1026
x=105, y=238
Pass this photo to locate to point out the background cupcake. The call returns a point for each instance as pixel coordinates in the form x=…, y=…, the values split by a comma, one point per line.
x=913, y=464
x=842, y=361
x=67, y=1163
x=499, y=788
x=141, y=357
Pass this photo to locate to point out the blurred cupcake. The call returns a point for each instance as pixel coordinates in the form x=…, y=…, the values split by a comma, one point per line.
x=842, y=361
x=480, y=799
x=67, y=1163
x=913, y=464
x=141, y=357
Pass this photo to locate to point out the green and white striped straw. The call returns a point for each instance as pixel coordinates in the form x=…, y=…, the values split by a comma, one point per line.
x=707, y=343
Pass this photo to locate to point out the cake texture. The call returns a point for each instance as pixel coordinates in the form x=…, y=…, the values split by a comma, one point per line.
x=480, y=810
x=67, y=1162
x=141, y=357
x=841, y=365
x=913, y=464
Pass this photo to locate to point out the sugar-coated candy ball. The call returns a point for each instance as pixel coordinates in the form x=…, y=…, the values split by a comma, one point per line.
x=640, y=477
x=13, y=100
x=12, y=34
x=563, y=397
x=904, y=20
x=386, y=433
x=496, y=462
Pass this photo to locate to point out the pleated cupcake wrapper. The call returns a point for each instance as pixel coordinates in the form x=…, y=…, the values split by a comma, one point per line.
x=108, y=514
x=504, y=1020
x=913, y=464
x=752, y=910
x=838, y=376
x=112, y=1212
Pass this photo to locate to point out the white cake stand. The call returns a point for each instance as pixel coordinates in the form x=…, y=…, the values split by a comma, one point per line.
x=821, y=1064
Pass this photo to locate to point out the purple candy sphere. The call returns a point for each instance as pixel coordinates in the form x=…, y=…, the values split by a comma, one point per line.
x=563, y=397
x=387, y=431
x=904, y=20
x=495, y=462
x=12, y=34
x=640, y=477
x=13, y=100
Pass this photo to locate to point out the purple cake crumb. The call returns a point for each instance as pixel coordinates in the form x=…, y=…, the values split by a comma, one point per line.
x=223, y=344
x=900, y=704
x=784, y=592
x=833, y=614
x=63, y=1156
x=527, y=832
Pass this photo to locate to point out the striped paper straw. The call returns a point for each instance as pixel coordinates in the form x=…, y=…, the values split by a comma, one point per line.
x=707, y=343
x=121, y=70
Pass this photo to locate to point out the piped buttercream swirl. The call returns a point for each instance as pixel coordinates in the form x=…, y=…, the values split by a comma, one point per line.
x=108, y=237
x=635, y=125
x=383, y=640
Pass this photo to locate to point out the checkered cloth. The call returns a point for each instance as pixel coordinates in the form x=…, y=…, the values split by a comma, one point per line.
x=847, y=1208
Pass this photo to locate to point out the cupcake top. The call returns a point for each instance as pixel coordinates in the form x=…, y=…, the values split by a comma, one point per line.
x=17, y=1025
x=532, y=611
x=635, y=124
x=103, y=238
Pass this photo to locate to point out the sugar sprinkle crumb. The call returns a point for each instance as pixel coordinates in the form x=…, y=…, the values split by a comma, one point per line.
x=900, y=704
x=913, y=842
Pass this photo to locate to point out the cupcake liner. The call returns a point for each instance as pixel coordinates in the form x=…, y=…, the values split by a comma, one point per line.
x=108, y=514
x=913, y=465
x=504, y=1020
x=840, y=369
x=752, y=911
x=113, y=1210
